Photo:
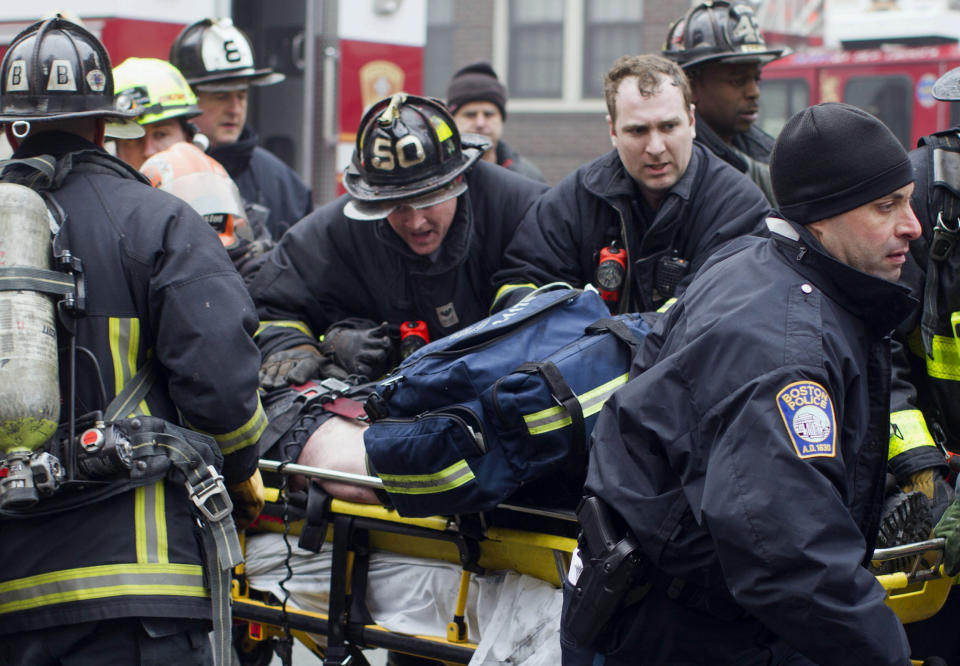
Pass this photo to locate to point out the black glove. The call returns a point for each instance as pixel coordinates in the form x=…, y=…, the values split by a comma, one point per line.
x=297, y=365
x=360, y=347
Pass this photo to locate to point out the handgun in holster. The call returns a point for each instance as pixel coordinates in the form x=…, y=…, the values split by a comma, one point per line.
x=614, y=570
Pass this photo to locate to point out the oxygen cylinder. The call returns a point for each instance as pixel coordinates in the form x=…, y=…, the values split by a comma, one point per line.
x=29, y=386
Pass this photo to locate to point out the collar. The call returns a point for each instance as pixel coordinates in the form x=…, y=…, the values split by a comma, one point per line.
x=236, y=156
x=608, y=179
x=879, y=303
x=54, y=143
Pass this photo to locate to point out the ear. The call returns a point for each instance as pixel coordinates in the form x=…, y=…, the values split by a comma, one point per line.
x=100, y=132
x=613, y=131
x=693, y=119
x=13, y=141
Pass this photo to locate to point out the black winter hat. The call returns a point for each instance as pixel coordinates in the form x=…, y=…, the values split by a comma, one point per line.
x=476, y=83
x=831, y=158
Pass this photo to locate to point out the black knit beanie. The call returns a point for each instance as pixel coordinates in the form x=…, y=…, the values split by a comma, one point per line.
x=831, y=158
x=476, y=83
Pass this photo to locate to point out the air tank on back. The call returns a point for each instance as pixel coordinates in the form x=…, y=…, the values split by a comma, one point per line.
x=29, y=386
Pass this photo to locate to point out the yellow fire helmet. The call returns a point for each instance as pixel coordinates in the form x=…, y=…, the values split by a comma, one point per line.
x=155, y=88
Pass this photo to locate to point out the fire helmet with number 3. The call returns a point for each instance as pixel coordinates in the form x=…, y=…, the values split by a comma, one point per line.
x=408, y=151
x=718, y=31
x=56, y=70
x=215, y=56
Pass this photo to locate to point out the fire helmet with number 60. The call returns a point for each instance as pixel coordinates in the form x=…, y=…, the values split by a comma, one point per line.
x=408, y=151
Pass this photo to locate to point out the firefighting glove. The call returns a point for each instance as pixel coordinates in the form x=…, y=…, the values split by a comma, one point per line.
x=360, y=347
x=247, y=497
x=931, y=483
x=949, y=529
x=297, y=365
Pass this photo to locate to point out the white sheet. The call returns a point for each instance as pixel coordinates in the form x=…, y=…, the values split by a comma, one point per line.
x=514, y=618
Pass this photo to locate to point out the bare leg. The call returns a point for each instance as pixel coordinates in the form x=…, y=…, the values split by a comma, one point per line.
x=338, y=445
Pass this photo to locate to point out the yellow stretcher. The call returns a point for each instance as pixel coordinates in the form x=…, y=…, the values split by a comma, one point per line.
x=476, y=546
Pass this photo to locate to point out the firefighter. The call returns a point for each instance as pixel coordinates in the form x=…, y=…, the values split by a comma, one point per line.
x=423, y=226
x=478, y=102
x=157, y=91
x=924, y=417
x=163, y=322
x=720, y=47
x=754, y=500
x=217, y=60
x=640, y=220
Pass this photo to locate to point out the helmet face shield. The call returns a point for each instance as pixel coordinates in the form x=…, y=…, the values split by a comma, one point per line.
x=188, y=173
x=718, y=31
x=56, y=70
x=407, y=147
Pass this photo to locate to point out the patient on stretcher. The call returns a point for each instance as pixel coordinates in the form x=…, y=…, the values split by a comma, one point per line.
x=337, y=445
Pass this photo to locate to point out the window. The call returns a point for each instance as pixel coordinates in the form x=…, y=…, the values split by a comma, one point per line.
x=536, y=48
x=779, y=100
x=889, y=98
x=438, y=54
x=611, y=29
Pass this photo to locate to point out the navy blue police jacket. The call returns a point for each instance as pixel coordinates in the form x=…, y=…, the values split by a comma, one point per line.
x=329, y=267
x=560, y=238
x=159, y=285
x=750, y=454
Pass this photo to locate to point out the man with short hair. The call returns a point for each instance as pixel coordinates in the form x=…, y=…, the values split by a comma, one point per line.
x=747, y=460
x=423, y=226
x=478, y=102
x=217, y=60
x=639, y=221
x=721, y=48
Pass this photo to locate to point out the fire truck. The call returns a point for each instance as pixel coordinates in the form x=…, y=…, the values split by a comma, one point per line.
x=893, y=83
x=338, y=57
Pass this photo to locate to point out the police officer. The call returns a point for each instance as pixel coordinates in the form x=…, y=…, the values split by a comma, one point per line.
x=423, y=226
x=478, y=102
x=164, y=102
x=217, y=61
x=167, y=326
x=754, y=498
x=640, y=220
x=720, y=47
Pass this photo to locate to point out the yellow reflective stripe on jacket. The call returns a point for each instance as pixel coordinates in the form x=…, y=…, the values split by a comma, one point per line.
x=299, y=325
x=246, y=435
x=151, y=524
x=508, y=288
x=908, y=430
x=945, y=363
x=124, y=347
x=554, y=418
x=667, y=305
x=102, y=582
x=446, y=479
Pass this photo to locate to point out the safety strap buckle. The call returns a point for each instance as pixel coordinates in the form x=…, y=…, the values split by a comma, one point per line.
x=209, y=488
x=944, y=238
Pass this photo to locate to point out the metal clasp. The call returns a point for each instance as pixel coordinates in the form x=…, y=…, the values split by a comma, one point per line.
x=944, y=238
x=209, y=488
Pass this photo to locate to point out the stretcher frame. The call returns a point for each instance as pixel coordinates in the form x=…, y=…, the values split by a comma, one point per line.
x=465, y=540
x=914, y=595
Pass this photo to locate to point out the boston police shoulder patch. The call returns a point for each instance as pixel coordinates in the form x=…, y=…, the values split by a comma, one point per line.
x=808, y=414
